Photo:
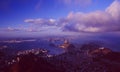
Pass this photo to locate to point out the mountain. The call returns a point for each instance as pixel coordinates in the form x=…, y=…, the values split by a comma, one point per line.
x=88, y=58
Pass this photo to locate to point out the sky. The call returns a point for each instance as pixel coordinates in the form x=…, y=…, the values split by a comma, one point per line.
x=59, y=17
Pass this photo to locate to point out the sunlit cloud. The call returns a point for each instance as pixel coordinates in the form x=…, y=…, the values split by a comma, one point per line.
x=97, y=21
x=41, y=21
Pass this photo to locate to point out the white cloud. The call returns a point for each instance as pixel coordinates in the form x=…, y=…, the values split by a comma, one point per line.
x=41, y=21
x=114, y=10
x=97, y=21
x=40, y=24
x=29, y=20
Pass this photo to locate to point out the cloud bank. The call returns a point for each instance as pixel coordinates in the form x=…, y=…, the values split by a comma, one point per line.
x=97, y=21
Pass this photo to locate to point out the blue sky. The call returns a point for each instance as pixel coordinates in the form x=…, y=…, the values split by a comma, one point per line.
x=56, y=16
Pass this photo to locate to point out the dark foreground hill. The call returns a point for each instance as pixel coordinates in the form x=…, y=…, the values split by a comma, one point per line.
x=32, y=63
x=88, y=58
